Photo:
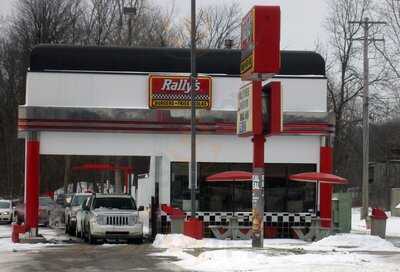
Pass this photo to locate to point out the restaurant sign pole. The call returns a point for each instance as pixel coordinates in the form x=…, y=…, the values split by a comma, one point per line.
x=260, y=60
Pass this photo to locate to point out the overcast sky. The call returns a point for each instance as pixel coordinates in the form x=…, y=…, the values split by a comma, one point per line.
x=302, y=20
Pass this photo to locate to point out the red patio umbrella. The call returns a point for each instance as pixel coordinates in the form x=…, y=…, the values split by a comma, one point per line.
x=231, y=176
x=318, y=177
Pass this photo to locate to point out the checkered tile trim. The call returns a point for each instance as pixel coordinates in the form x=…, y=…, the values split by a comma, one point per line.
x=245, y=217
x=179, y=96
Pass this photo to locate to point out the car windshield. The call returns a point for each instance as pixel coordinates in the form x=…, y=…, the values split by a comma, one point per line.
x=114, y=203
x=46, y=201
x=79, y=199
x=4, y=204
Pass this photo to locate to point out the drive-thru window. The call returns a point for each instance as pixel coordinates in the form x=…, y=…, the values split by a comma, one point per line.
x=93, y=101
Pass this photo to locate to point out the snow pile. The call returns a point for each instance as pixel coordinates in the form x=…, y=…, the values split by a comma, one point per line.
x=7, y=245
x=358, y=225
x=176, y=241
x=184, y=242
x=262, y=260
x=354, y=242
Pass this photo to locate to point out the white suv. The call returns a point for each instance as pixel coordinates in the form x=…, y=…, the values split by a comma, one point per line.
x=111, y=217
x=72, y=209
x=6, y=211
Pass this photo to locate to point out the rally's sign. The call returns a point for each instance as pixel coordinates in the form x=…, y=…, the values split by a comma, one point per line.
x=244, y=123
x=260, y=43
x=171, y=91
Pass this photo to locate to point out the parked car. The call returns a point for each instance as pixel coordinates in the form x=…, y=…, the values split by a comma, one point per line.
x=46, y=207
x=72, y=209
x=6, y=211
x=111, y=217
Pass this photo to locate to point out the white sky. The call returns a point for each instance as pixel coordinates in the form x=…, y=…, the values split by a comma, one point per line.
x=302, y=20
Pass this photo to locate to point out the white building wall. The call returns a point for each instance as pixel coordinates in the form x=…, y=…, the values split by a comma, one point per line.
x=131, y=91
x=176, y=147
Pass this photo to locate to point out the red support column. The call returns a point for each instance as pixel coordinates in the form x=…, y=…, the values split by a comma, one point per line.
x=326, y=166
x=32, y=177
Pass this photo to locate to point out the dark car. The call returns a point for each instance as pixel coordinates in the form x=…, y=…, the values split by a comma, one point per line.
x=46, y=206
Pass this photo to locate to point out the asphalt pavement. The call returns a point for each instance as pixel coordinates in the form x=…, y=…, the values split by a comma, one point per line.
x=88, y=258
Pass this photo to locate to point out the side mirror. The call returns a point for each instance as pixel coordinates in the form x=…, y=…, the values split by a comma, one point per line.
x=141, y=208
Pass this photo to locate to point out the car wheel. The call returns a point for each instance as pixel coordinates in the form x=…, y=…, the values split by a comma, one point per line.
x=67, y=231
x=19, y=220
x=91, y=239
x=78, y=233
x=136, y=241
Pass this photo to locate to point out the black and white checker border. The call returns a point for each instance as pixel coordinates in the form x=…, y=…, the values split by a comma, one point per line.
x=246, y=217
x=179, y=96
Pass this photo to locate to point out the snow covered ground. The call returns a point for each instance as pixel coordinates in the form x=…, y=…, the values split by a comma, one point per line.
x=358, y=225
x=6, y=245
x=344, y=252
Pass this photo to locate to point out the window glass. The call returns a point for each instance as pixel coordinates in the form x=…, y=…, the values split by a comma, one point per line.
x=79, y=199
x=281, y=194
x=5, y=204
x=114, y=203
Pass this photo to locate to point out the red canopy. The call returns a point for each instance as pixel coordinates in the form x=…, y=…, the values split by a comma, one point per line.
x=318, y=177
x=230, y=176
x=101, y=167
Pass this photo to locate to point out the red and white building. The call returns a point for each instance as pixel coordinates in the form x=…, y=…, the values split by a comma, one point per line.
x=128, y=102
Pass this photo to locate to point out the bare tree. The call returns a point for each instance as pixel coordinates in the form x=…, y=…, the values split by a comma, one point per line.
x=215, y=24
x=344, y=77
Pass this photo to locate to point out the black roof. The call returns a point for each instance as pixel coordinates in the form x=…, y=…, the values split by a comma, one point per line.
x=172, y=60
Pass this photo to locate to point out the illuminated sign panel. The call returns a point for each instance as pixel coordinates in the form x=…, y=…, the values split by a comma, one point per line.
x=167, y=91
x=260, y=43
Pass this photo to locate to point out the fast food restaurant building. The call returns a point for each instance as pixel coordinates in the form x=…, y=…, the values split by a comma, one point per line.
x=131, y=102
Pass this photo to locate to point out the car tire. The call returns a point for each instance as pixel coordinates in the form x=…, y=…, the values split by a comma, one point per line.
x=90, y=238
x=136, y=241
x=19, y=220
x=67, y=230
x=77, y=234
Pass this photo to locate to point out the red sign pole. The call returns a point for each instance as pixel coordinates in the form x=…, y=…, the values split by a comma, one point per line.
x=258, y=168
x=260, y=60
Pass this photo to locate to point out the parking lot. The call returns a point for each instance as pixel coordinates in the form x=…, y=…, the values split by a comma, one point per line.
x=72, y=254
x=83, y=257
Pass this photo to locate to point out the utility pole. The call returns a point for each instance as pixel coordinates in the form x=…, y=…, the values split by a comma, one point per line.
x=193, y=78
x=366, y=23
x=130, y=11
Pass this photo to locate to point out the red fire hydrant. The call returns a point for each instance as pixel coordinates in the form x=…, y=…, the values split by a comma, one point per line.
x=16, y=230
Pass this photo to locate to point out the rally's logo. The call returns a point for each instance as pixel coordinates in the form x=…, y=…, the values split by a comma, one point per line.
x=174, y=91
x=184, y=85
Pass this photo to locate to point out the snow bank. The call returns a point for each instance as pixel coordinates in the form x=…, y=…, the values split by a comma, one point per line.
x=352, y=242
x=183, y=242
x=7, y=245
x=262, y=260
x=176, y=241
